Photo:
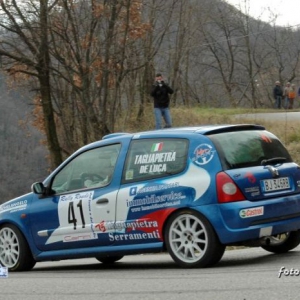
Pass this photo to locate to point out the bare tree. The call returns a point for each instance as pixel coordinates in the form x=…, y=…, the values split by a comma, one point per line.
x=24, y=49
x=220, y=47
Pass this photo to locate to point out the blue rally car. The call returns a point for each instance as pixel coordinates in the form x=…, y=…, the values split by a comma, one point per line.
x=189, y=191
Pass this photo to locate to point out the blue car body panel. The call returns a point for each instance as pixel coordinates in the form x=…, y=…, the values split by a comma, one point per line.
x=129, y=217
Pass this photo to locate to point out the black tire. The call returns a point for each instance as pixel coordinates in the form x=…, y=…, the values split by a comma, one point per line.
x=283, y=242
x=109, y=259
x=191, y=240
x=15, y=253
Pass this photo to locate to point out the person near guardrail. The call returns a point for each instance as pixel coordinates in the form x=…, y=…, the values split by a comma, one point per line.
x=291, y=96
x=278, y=94
x=286, y=95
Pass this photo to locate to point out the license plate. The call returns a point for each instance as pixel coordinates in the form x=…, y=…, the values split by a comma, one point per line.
x=276, y=184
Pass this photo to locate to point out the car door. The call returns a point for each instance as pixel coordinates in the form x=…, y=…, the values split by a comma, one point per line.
x=81, y=212
x=154, y=183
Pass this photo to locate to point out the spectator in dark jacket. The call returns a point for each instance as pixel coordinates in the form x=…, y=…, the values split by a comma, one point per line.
x=160, y=93
x=278, y=94
x=285, y=96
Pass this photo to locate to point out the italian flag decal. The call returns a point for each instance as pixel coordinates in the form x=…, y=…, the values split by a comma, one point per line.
x=157, y=147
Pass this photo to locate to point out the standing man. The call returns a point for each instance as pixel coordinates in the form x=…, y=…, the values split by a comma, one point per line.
x=286, y=95
x=160, y=93
x=277, y=93
x=292, y=96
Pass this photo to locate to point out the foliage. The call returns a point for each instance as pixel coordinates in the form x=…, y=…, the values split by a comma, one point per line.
x=91, y=63
x=23, y=158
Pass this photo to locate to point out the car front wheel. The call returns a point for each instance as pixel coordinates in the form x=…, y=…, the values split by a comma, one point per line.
x=14, y=250
x=282, y=243
x=191, y=240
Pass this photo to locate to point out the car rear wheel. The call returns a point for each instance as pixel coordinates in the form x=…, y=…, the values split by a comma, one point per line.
x=14, y=250
x=109, y=259
x=191, y=240
x=282, y=243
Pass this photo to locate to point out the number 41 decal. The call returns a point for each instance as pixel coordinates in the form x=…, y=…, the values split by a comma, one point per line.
x=71, y=214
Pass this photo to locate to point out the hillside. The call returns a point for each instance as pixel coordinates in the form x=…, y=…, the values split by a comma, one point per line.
x=22, y=157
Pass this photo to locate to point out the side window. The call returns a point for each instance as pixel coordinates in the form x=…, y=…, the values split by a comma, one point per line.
x=149, y=159
x=91, y=169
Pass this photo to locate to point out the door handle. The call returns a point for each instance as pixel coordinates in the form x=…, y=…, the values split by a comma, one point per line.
x=102, y=201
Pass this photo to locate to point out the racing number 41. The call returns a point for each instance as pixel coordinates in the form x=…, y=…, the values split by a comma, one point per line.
x=71, y=214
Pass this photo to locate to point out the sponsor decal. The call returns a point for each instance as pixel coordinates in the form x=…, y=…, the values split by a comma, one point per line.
x=251, y=178
x=132, y=191
x=77, y=196
x=203, y=154
x=120, y=225
x=153, y=169
x=78, y=237
x=252, y=212
x=254, y=191
x=155, y=201
x=129, y=174
x=13, y=206
x=154, y=158
x=158, y=187
x=134, y=236
x=101, y=226
x=151, y=196
x=74, y=213
x=266, y=138
x=157, y=147
x=154, y=162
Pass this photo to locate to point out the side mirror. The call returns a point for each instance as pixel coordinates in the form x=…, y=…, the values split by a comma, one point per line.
x=38, y=188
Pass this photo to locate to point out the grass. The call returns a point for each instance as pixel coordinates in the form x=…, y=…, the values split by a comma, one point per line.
x=287, y=131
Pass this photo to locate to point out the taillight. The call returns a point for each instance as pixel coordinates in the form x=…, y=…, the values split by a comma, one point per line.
x=227, y=190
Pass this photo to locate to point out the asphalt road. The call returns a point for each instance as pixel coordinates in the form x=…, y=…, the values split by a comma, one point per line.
x=249, y=274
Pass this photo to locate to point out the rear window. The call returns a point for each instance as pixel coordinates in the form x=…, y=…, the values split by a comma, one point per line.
x=153, y=158
x=248, y=148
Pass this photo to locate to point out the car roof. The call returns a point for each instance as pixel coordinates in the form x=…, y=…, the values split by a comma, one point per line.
x=203, y=129
x=165, y=133
x=172, y=132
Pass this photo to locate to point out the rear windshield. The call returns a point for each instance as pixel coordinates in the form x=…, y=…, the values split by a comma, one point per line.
x=248, y=148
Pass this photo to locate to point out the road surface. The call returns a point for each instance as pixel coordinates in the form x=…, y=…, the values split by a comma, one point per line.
x=250, y=274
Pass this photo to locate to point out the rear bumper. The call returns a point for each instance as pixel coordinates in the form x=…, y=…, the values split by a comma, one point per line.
x=246, y=220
